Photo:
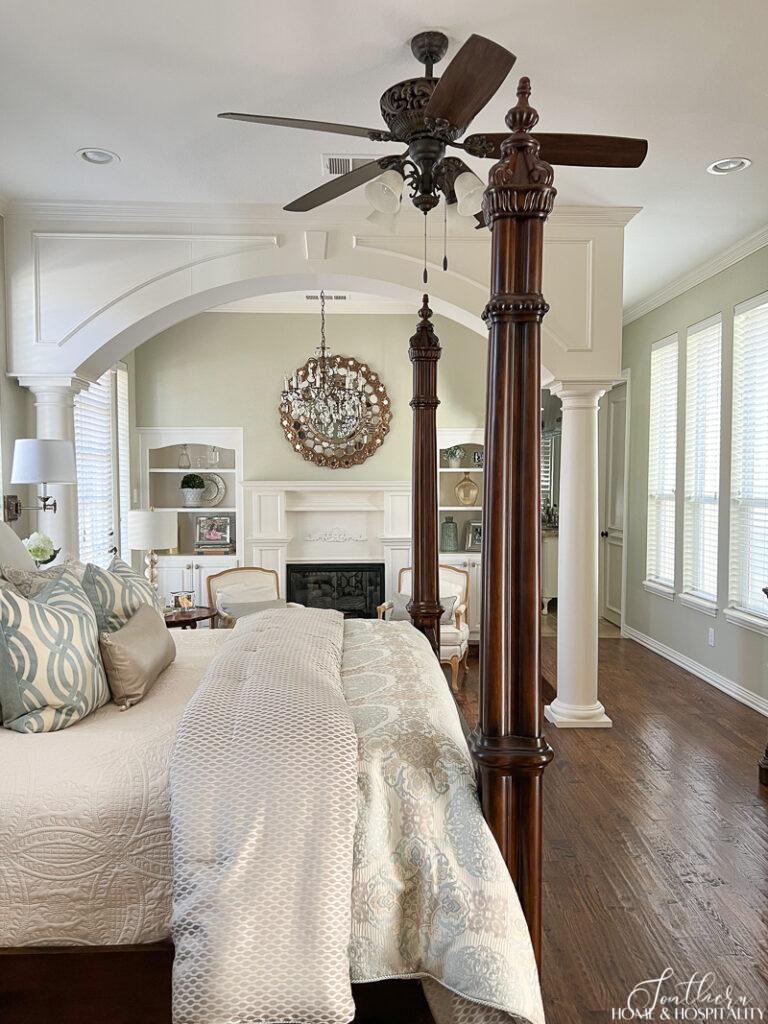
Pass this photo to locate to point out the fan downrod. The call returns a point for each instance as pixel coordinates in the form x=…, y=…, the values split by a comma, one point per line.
x=428, y=48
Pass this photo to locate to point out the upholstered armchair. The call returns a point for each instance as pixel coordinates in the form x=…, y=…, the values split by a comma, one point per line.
x=454, y=635
x=248, y=585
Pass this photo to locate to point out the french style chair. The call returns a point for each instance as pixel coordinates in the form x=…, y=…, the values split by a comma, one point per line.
x=253, y=584
x=454, y=635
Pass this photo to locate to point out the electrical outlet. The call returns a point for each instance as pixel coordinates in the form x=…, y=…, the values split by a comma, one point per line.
x=711, y=636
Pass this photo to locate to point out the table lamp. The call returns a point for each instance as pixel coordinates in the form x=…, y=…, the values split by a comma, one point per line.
x=152, y=530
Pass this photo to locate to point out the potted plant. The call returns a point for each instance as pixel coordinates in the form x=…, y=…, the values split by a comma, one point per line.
x=40, y=546
x=192, y=487
x=454, y=455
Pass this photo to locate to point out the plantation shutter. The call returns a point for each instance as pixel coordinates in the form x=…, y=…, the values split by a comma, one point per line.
x=546, y=471
x=749, y=467
x=702, y=459
x=103, y=473
x=662, y=461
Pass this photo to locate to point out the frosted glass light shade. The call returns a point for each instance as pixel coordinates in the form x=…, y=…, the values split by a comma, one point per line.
x=152, y=530
x=41, y=460
x=469, y=194
x=384, y=193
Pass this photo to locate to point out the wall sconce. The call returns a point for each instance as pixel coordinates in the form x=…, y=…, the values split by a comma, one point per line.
x=39, y=461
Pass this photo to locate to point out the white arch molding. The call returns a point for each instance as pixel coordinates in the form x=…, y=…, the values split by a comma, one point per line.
x=159, y=320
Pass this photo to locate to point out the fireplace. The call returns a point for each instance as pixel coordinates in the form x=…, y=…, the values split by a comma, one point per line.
x=355, y=589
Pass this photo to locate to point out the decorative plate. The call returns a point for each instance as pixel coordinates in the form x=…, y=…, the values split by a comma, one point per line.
x=214, y=490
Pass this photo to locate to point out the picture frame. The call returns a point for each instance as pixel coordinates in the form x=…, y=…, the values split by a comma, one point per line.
x=474, y=536
x=182, y=600
x=213, y=530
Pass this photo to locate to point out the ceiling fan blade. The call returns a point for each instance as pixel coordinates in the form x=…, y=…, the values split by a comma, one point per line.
x=310, y=126
x=469, y=81
x=338, y=187
x=570, y=150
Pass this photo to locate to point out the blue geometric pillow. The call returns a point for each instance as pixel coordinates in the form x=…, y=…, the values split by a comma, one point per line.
x=117, y=593
x=51, y=674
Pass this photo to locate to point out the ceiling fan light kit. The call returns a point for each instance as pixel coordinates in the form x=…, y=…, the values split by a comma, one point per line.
x=469, y=194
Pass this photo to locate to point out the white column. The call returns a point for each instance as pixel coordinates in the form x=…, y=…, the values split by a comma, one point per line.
x=54, y=418
x=576, y=704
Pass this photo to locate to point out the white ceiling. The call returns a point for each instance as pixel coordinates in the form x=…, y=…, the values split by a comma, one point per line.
x=147, y=78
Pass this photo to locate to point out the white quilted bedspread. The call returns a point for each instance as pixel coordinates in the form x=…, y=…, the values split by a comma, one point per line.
x=85, y=851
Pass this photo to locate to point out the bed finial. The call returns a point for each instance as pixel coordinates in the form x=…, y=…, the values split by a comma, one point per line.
x=424, y=607
x=508, y=744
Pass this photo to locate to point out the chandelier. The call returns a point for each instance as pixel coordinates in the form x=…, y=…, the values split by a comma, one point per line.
x=334, y=410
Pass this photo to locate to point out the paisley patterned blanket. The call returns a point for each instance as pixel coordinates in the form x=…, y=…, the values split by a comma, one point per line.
x=316, y=758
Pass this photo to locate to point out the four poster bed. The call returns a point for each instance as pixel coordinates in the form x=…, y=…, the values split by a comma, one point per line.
x=92, y=967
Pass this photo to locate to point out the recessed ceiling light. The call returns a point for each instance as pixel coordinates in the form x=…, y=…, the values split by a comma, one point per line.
x=97, y=156
x=729, y=165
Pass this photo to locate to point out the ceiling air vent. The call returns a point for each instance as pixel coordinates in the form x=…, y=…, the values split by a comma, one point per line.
x=335, y=164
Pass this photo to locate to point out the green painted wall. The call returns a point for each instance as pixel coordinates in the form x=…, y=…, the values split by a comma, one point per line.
x=739, y=654
x=227, y=369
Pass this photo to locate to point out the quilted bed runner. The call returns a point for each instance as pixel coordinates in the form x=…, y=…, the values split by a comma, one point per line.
x=320, y=759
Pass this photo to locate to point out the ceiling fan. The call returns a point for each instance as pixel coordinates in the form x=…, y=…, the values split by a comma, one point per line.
x=429, y=114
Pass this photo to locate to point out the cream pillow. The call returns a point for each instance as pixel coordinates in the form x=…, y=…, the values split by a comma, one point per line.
x=136, y=654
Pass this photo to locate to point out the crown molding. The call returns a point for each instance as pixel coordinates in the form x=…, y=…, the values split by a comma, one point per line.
x=254, y=213
x=739, y=251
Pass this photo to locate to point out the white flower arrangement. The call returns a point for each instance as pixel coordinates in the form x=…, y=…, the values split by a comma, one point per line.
x=40, y=547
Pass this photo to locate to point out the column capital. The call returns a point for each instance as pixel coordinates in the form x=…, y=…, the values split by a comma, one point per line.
x=51, y=385
x=581, y=394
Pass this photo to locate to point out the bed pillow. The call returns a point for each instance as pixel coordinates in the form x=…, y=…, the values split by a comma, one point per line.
x=136, y=654
x=117, y=593
x=399, y=611
x=51, y=673
x=31, y=582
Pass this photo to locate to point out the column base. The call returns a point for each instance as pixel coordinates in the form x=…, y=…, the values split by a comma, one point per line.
x=577, y=716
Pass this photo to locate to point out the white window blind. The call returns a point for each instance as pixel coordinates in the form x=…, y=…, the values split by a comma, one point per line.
x=702, y=458
x=662, y=462
x=101, y=451
x=749, y=458
x=546, y=471
x=123, y=458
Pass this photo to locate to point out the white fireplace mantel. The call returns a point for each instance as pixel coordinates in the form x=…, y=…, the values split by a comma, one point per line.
x=328, y=521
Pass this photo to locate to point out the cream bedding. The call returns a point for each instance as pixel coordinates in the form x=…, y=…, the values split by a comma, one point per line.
x=85, y=850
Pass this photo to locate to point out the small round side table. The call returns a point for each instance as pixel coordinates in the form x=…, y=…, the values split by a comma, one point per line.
x=188, y=618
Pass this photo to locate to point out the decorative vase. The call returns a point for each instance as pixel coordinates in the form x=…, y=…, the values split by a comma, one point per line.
x=184, y=460
x=466, y=491
x=454, y=463
x=449, y=535
x=191, y=496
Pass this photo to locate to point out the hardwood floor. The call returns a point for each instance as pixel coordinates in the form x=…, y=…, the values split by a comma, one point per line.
x=655, y=839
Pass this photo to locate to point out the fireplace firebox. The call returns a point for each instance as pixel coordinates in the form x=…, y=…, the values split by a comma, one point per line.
x=356, y=590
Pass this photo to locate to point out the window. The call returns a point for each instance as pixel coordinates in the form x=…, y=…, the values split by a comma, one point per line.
x=662, y=463
x=702, y=459
x=103, y=477
x=749, y=458
x=546, y=471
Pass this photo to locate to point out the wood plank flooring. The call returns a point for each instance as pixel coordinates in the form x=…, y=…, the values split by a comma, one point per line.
x=655, y=839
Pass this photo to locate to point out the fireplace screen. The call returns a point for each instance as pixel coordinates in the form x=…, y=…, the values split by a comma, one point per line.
x=354, y=590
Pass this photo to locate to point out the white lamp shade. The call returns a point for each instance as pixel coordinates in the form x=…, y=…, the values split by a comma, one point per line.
x=385, y=221
x=384, y=193
x=152, y=529
x=37, y=461
x=469, y=193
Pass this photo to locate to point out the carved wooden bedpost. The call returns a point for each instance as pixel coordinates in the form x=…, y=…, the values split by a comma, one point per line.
x=424, y=607
x=508, y=744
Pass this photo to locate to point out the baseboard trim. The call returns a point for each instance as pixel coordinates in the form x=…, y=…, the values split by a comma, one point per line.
x=728, y=686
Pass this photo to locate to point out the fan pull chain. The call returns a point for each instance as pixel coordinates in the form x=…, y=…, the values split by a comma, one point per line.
x=445, y=236
x=425, y=276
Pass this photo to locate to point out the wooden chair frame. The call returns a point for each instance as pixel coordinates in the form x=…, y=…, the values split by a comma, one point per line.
x=507, y=745
x=223, y=621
